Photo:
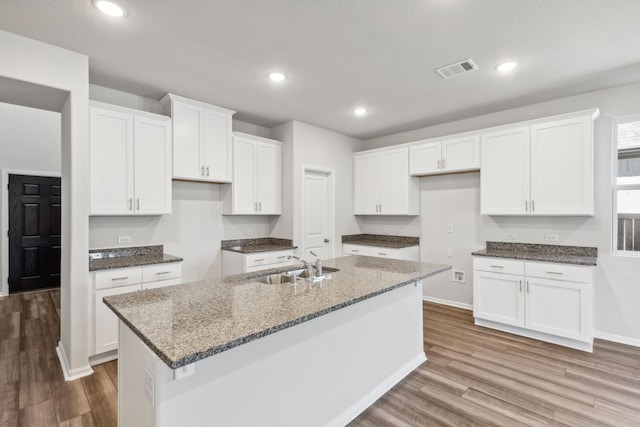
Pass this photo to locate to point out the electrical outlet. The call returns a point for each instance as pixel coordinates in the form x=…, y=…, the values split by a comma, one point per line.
x=124, y=239
x=551, y=237
x=250, y=232
x=509, y=236
x=149, y=387
x=450, y=228
x=449, y=252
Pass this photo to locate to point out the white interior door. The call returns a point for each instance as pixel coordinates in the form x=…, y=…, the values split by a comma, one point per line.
x=317, y=208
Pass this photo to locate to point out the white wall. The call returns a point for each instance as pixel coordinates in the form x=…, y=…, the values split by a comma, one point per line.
x=454, y=199
x=60, y=70
x=314, y=146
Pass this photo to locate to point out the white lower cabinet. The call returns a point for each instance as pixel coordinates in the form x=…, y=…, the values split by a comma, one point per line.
x=122, y=281
x=238, y=263
x=546, y=301
x=410, y=253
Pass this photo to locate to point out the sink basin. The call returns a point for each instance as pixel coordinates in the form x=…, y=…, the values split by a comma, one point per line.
x=292, y=276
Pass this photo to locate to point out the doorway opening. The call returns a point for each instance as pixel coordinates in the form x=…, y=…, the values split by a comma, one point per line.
x=318, y=212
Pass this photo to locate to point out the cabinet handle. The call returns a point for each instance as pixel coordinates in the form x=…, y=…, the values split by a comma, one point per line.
x=496, y=266
x=130, y=203
x=526, y=206
x=207, y=170
x=258, y=260
x=444, y=163
x=382, y=253
x=438, y=164
x=533, y=206
x=162, y=272
x=283, y=256
x=554, y=272
x=520, y=281
x=527, y=286
x=260, y=206
x=115, y=279
x=255, y=206
x=355, y=250
x=202, y=170
x=138, y=204
x=380, y=207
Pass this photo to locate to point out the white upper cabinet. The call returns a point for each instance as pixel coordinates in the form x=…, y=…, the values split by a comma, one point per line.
x=545, y=168
x=257, y=177
x=130, y=156
x=201, y=140
x=382, y=185
x=447, y=156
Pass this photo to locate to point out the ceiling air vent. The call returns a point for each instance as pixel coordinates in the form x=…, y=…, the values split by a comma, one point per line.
x=456, y=69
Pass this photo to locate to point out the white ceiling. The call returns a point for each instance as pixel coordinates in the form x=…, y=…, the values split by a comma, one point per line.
x=340, y=54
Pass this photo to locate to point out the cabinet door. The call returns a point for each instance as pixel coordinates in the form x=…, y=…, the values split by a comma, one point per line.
x=394, y=182
x=217, y=147
x=111, y=161
x=562, y=167
x=244, y=176
x=559, y=308
x=268, y=178
x=504, y=181
x=348, y=249
x=152, y=144
x=498, y=297
x=106, y=321
x=460, y=154
x=425, y=159
x=365, y=188
x=188, y=127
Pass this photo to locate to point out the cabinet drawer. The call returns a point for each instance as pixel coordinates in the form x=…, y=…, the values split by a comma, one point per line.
x=499, y=265
x=381, y=252
x=355, y=250
x=257, y=259
x=569, y=273
x=281, y=257
x=118, y=277
x=157, y=272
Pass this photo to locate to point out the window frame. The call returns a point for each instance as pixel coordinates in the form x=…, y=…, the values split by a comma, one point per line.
x=618, y=187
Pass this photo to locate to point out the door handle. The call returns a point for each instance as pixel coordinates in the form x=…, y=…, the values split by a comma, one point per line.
x=326, y=240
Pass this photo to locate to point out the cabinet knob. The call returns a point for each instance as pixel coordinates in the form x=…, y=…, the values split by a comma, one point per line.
x=202, y=170
x=207, y=170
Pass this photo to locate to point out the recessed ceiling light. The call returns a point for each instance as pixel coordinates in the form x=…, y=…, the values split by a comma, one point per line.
x=110, y=8
x=360, y=111
x=505, y=67
x=277, y=77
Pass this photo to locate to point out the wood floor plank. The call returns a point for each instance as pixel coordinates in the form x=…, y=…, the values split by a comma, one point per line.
x=9, y=408
x=112, y=370
x=69, y=397
x=40, y=414
x=34, y=382
x=84, y=420
x=102, y=396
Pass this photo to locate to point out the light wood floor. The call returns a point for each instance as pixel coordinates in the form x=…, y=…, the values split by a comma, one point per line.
x=474, y=377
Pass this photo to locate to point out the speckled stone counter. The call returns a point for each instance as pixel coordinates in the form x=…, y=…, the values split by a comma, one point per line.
x=382, y=240
x=186, y=323
x=262, y=244
x=105, y=259
x=579, y=255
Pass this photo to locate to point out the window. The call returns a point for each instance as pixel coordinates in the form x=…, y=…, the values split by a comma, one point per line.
x=626, y=194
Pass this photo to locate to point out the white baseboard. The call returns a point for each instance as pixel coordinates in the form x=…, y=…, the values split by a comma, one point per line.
x=617, y=338
x=449, y=303
x=373, y=395
x=71, y=374
x=101, y=358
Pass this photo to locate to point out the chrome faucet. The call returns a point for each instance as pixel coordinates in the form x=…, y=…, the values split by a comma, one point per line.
x=308, y=267
x=318, y=264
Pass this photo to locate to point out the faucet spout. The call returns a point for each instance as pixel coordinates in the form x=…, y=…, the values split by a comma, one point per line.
x=307, y=266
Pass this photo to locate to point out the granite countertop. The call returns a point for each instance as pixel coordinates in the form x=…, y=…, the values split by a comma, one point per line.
x=579, y=255
x=261, y=244
x=382, y=240
x=110, y=258
x=189, y=322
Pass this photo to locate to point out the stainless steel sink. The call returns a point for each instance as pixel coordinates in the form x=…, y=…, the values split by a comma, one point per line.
x=292, y=276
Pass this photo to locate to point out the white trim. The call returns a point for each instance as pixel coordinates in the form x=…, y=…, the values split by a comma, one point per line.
x=449, y=303
x=4, y=221
x=69, y=374
x=357, y=408
x=331, y=209
x=617, y=338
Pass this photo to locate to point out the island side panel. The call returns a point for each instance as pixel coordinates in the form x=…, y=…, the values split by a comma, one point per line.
x=321, y=372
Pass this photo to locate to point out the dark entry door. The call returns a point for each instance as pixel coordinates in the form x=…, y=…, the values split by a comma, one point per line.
x=34, y=232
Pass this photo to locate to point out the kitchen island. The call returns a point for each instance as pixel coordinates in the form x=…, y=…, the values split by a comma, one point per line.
x=237, y=351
